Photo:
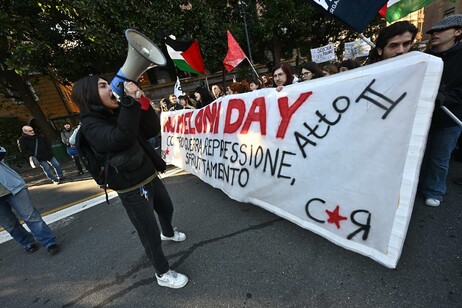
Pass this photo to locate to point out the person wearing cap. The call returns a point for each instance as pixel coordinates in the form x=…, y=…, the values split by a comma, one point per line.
x=444, y=131
x=15, y=195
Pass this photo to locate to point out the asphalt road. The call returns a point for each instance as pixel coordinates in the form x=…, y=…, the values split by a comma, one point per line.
x=236, y=255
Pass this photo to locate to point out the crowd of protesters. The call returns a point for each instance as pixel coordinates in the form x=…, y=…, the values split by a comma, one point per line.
x=103, y=119
x=395, y=40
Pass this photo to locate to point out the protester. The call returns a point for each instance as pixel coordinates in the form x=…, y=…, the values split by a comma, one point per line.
x=71, y=149
x=282, y=76
x=330, y=69
x=216, y=91
x=310, y=70
x=15, y=195
x=155, y=141
x=267, y=82
x=394, y=40
x=155, y=104
x=163, y=104
x=117, y=132
x=255, y=84
x=202, y=97
x=185, y=102
x=172, y=101
x=176, y=105
x=348, y=64
x=444, y=131
x=239, y=87
x=31, y=144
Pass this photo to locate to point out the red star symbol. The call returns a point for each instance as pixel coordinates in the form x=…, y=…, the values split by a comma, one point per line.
x=335, y=217
x=167, y=151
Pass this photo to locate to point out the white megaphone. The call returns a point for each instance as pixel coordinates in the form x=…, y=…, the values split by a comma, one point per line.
x=142, y=55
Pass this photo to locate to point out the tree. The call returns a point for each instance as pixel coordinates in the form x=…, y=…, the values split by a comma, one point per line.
x=70, y=39
x=19, y=28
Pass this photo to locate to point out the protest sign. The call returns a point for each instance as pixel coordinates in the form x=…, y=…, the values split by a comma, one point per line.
x=323, y=54
x=338, y=155
x=358, y=48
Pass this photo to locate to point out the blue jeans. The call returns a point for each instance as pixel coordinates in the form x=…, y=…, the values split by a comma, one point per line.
x=440, y=144
x=140, y=210
x=46, y=168
x=153, y=142
x=22, y=205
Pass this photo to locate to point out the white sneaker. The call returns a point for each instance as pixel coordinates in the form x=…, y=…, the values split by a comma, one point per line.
x=432, y=202
x=177, y=236
x=172, y=279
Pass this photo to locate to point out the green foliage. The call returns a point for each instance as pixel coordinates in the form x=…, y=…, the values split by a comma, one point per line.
x=73, y=38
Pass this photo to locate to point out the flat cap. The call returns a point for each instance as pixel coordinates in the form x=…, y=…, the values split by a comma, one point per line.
x=453, y=21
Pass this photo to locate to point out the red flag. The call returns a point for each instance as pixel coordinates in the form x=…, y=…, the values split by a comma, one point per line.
x=235, y=54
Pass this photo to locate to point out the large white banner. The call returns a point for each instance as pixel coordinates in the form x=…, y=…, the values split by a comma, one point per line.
x=339, y=155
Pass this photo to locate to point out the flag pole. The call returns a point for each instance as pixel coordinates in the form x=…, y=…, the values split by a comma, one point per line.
x=254, y=70
x=207, y=83
x=365, y=39
x=452, y=116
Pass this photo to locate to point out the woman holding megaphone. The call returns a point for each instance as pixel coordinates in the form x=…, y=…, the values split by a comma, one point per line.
x=118, y=132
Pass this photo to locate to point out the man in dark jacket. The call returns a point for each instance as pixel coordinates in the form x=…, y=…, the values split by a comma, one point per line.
x=31, y=144
x=444, y=131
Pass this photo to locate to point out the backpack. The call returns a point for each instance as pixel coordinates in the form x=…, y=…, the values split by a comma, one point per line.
x=96, y=164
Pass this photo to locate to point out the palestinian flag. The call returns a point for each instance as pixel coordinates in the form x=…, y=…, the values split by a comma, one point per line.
x=397, y=9
x=186, y=55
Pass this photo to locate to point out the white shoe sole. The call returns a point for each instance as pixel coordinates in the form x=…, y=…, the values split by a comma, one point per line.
x=432, y=204
x=179, y=286
x=164, y=238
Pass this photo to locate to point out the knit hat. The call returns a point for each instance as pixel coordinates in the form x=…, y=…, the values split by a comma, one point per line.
x=453, y=21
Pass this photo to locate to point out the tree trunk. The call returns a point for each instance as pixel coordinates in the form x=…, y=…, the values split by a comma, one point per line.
x=277, y=50
x=20, y=85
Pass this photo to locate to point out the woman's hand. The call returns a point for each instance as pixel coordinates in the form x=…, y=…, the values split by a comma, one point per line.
x=133, y=90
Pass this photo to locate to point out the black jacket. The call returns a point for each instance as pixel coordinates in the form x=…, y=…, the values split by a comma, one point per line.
x=111, y=133
x=450, y=92
x=26, y=145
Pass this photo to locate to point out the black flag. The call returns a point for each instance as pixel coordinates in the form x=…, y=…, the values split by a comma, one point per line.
x=356, y=14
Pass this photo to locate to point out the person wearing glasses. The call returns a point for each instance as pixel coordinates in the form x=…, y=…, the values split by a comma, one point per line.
x=310, y=70
x=30, y=144
x=282, y=76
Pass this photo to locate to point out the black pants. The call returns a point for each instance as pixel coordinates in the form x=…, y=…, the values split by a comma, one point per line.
x=140, y=211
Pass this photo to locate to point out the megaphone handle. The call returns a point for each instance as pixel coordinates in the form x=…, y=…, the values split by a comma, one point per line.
x=126, y=80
